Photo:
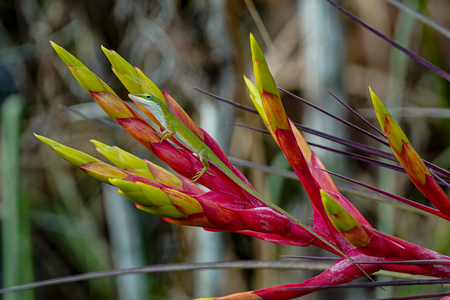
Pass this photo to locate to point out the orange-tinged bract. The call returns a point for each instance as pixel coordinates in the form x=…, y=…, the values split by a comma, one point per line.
x=271, y=101
x=102, y=171
x=398, y=140
x=176, y=109
x=409, y=159
x=115, y=107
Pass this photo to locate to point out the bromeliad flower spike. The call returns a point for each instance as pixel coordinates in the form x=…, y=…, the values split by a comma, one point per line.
x=175, y=128
x=232, y=204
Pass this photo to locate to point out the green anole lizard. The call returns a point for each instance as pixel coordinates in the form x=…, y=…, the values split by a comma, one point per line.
x=175, y=128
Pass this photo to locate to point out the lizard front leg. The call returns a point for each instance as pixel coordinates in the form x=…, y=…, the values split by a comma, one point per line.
x=165, y=134
x=203, y=156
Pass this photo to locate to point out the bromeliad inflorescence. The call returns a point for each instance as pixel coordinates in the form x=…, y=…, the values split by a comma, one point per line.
x=232, y=204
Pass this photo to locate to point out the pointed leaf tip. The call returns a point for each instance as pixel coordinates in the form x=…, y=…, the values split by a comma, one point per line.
x=380, y=109
x=99, y=144
x=73, y=156
x=264, y=79
x=131, y=77
x=392, y=130
x=256, y=50
x=67, y=57
x=50, y=143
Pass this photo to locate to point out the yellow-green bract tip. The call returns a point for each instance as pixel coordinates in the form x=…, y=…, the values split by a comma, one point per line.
x=264, y=79
x=110, y=153
x=256, y=98
x=341, y=219
x=99, y=144
x=67, y=58
x=124, y=71
x=75, y=157
x=124, y=159
x=256, y=50
x=141, y=193
x=152, y=198
x=331, y=206
x=131, y=77
x=394, y=133
x=88, y=80
x=47, y=141
x=380, y=109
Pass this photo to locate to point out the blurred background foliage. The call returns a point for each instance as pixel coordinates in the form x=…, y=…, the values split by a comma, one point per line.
x=57, y=221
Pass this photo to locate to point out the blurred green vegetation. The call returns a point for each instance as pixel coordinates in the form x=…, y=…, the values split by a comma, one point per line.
x=74, y=224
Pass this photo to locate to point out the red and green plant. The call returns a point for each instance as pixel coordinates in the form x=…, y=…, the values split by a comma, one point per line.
x=226, y=207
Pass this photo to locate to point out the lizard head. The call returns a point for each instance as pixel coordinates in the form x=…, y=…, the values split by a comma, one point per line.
x=146, y=98
x=155, y=105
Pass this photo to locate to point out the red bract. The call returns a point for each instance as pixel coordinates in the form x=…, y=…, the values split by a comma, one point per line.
x=227, y=207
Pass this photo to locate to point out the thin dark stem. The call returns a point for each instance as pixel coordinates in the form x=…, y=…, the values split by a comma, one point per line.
x=311, y=257
x=85, y=116
x=384, y=142
x=343, y=142
x=373, y=284
x=244, y=264
x=358, y=115
x=404, y=200
x=352, y=144
x=441, y=181
x=408, y=52
x=354, y=190
x=359, y=146
x=439, y=171
x=243, y=107
x=394, y=262
x=421, y=17
x=355, y=145
x=423, y=296
x=409, y=262
x=361, y=158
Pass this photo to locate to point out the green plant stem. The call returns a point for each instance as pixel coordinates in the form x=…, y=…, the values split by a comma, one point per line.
x=16, y=239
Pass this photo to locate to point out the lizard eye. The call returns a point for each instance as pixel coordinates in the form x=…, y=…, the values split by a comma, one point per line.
x=148, y=97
